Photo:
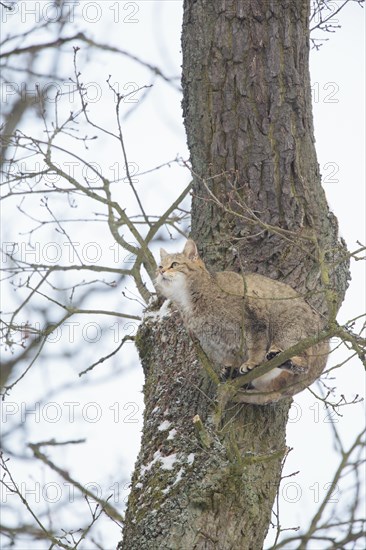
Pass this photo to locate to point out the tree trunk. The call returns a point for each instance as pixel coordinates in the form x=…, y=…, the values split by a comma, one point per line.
x=257, y=204
x=247, y=106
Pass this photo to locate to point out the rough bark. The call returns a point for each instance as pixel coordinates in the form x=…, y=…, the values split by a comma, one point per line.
x=219, y=500
x=247, y=108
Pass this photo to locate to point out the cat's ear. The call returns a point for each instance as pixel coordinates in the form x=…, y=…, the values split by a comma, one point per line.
x=163, y=254
x=190, y=250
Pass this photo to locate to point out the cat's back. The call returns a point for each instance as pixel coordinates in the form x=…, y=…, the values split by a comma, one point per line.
x=279, y=303
x=252, y=284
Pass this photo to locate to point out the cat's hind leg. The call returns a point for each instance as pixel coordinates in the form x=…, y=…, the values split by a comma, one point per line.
x=296, y=365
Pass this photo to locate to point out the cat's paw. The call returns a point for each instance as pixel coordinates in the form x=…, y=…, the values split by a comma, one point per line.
x=246, y=367
x=290, y=366
x=272, y=353
x=296, y=365
x=229, y=373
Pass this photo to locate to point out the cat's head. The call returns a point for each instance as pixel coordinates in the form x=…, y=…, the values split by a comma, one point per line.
x=175, y=269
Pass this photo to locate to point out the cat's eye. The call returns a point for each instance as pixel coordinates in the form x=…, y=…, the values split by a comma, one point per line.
x=174, y=264
x=160, y=267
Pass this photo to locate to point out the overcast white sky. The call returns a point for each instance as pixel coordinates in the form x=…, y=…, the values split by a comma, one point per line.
x=154, y=134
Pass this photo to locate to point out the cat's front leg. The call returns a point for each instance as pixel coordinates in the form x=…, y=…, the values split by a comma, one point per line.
x=256, y=346
x=256, y=356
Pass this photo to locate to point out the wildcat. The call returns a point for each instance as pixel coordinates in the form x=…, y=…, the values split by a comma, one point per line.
x=241, y=321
